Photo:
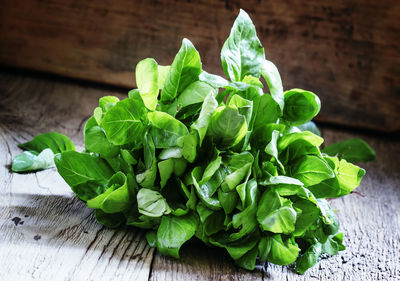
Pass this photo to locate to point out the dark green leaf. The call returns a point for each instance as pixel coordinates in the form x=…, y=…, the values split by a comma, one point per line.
x=55, y=141
x=352, y=150
x=173, y=232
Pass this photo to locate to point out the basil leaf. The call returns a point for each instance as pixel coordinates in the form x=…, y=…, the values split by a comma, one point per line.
x=227, y=127
x=27, y=161
x=86, y=174
x=165, y=129
x=123, y=123
x=352, y=150
x=311, y=169
x=173, y=232
x=55, y=141
x=276, y=214
x=300, y=106
x=242, y=53
x=147, y=82
x=151, y=203
x=273, y=79
x=184, y=70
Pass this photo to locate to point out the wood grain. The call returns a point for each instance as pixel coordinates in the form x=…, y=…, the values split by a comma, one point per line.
x=345, y=51
x=72, y=246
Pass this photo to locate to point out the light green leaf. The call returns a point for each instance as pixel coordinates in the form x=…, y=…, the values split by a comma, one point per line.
x=273, y=79
x=151, y=203
x=165, y=129
x=300, y=106
x=242, y=53
x=28, y=161
x=123, y=123
x=227, y=127
x=184, y=70
x=202, y=123
x=147, y=82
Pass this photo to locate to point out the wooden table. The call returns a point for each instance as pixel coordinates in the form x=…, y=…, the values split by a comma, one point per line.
x=46, y=233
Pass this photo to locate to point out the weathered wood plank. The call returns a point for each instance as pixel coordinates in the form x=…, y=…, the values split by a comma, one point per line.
x=345, y=51
x=72, y=246
x=57, y=237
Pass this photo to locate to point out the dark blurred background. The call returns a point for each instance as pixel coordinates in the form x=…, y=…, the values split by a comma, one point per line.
x=347, y=52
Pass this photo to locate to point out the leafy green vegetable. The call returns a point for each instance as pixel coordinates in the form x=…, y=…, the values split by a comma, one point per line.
x=184, y=70
x=124, y=122
x=27, y=161
x=352, y=150
x=147, y=82
x=55, y=141
x=242, y=53
x=40, y=151
x=227, y=161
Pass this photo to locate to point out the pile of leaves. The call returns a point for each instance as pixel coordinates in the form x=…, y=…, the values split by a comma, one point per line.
x=230, y=162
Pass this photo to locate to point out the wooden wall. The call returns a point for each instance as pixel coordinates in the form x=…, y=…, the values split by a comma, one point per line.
x=345, y=51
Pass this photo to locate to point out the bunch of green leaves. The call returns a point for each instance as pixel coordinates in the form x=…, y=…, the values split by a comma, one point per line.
x=230, y=162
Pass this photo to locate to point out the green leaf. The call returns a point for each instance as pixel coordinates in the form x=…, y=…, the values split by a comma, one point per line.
x=171, y=152
x=115, y=199
x=307, y=136
x=184, y=70
x=246, y=220
x=347, y=178
x=202, y=123
x=272, y=148
x=188, y=146
x=147, y=178
x=173, y=232
x=151, y=203
x=282, y=252
x=166, y=169
x=276, y=214
x=86, y=174
x=274, y=82
x=265, y=110
x=109, y=220
x=55, y=141
x=311, y=169
x=310, y=257
x=151, y=238
x=96, y=140
x=28, y=161
x=205, y=191
x=147, y=82
x=228, y=127
x=242, y=53
x=215, y=81
x=311, y=127
x=248, y=260
x=123, y=123
x=309, y=214
x=244, y=106
x=106, y=102
x=195, y=93
x=239, y=166
x=352, y=150
x=300, y=106
x=165, y=129
x=163, y=71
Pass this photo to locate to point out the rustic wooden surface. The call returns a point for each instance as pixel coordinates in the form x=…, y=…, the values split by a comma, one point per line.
x=57, y=237
x=348, y=52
